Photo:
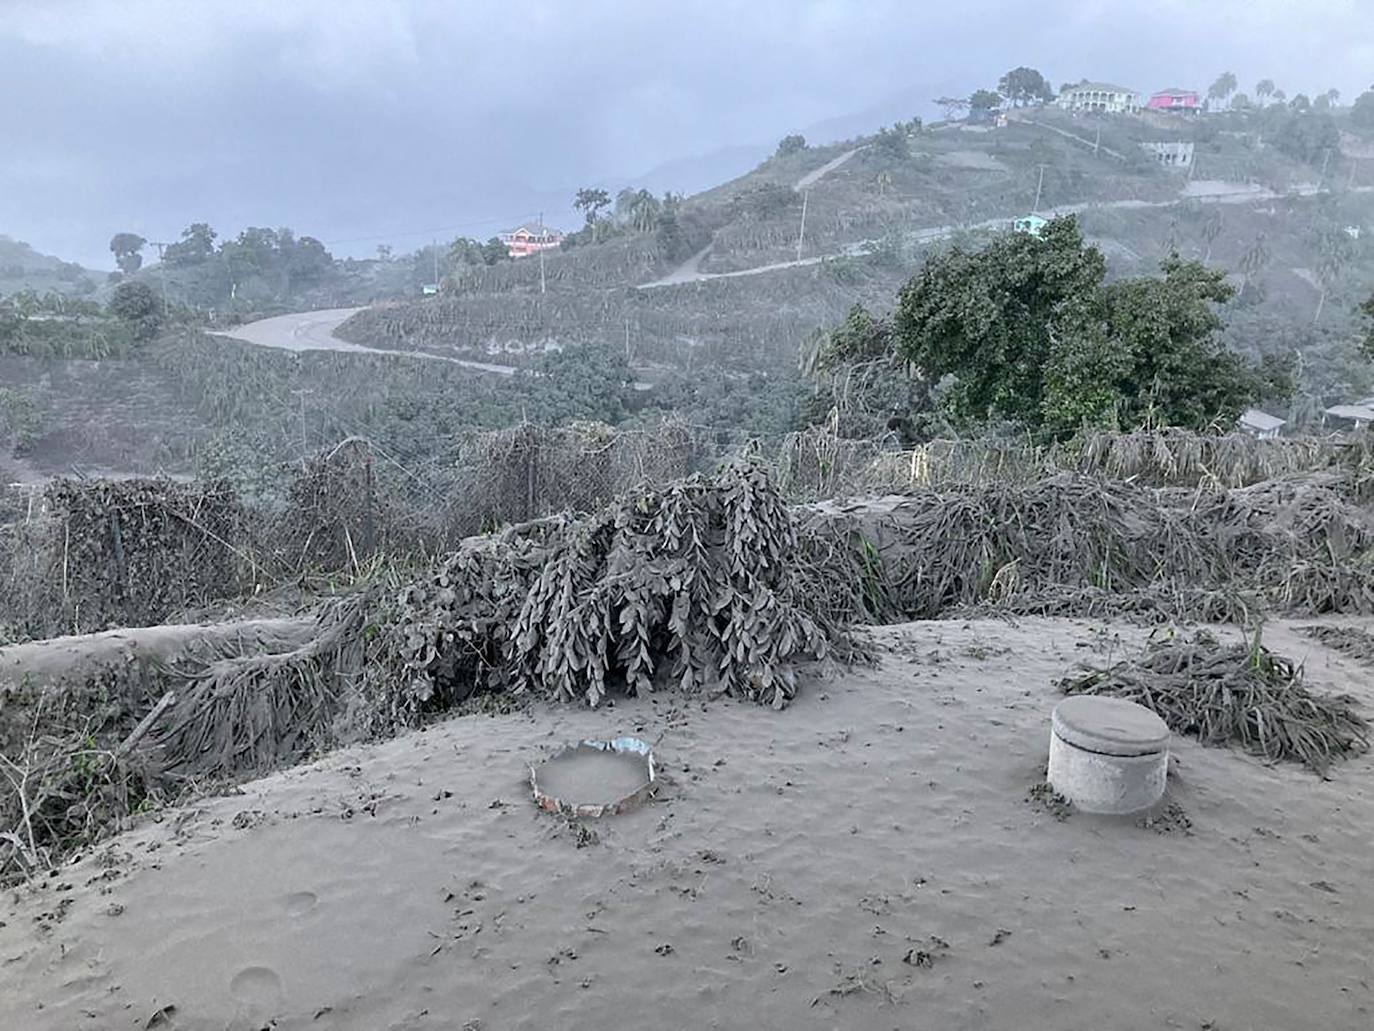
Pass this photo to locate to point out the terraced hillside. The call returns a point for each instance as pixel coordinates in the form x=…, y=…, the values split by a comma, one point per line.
x=751, y=285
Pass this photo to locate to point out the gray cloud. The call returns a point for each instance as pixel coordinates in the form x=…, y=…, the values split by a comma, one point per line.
x=360, y=121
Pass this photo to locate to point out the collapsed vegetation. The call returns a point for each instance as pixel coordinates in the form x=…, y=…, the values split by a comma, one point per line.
x=694, y=585
x=1072, y=545
x=1239, y=694
x=707, y=584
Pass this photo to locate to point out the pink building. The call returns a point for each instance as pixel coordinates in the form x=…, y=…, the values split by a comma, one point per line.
x=531, y=239
x=1175, y=100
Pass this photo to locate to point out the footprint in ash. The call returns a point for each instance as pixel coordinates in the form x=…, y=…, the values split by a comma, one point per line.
x=256, y=988
x=298, y=903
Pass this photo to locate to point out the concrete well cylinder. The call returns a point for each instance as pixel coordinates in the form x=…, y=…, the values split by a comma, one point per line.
x=1108, y=755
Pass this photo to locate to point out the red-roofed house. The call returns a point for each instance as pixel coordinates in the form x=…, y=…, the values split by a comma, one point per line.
x=526, y=240
x=1185, y=100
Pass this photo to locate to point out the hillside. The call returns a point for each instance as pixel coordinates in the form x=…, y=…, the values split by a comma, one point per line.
x=23, y=268
x=741, y=288
x=707, y=303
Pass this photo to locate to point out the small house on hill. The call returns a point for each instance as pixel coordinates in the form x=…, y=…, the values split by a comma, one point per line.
x=1171, y=153
x=526, y=240
x=1186, y=101
x=1357, y=416
x=1261, y=424
x=1100, y=97
x=1033, y=224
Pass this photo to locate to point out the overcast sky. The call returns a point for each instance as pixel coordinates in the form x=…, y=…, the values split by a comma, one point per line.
x=366, y=121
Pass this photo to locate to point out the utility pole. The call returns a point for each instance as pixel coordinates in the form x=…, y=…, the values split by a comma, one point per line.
x=1038, y=187
x=301, y=394
x=434, y=245
x=542, y=285
x=1325, y=161
x=627, y=338
x=161, y=270
x=801, y=235
x=1097, y=143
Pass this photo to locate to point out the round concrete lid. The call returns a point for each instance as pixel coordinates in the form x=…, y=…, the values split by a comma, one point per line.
x=1111, y=726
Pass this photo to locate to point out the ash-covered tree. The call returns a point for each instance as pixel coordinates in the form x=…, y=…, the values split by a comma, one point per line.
x=984, y=100
x=494, y=251
x=138, y=307
x=1264, y=89
x=127, y=250
x=1362, y=111
x=1024, y=86
x=591, y=201
x=589, y=381
x=196, y=246
x=1302, y=134
x=891, y=145
x=953, y=106
x=1225, y=85
x=1367, y=327
x=864, y=387
x=791, y=144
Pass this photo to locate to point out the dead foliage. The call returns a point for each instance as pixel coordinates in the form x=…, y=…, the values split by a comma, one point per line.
x=332, y=517
x=129, y=552
x=694, y=584
x=1233, y=694
x=1349, y=640
x=1070, y=545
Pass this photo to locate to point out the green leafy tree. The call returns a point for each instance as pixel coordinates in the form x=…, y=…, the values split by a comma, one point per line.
x=987, y=318
x=127, y=248
x=1026, y=331
x=791, y=144
x=1151, y=354
x=1025, y=86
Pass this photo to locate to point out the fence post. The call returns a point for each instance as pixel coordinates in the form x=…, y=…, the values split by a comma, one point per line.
x=531, y=472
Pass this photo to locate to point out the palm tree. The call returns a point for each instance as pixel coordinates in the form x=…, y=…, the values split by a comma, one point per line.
x=884, y=182
x=643, y=210
x=1223, y=87
x=1264, y=89
x=1211, y=230
x=1253, y=262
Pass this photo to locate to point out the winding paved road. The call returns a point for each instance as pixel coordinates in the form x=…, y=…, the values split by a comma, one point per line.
x=1203, y=191
x=314, y=331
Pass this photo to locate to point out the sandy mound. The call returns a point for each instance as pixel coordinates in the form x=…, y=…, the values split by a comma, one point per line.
x=866, y=858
